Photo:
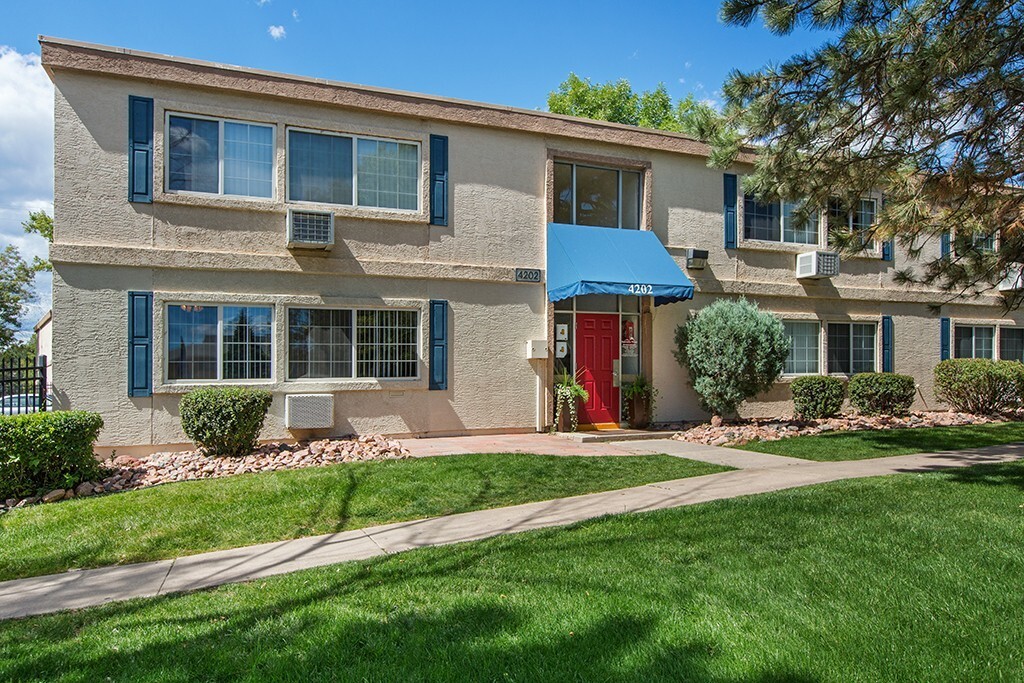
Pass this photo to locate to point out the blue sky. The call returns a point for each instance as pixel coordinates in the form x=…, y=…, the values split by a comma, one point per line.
x=504, y=53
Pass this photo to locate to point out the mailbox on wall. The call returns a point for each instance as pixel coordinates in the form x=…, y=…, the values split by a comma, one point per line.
x=537, y=348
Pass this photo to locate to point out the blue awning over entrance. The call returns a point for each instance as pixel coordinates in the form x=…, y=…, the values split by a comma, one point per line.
x=585, y=260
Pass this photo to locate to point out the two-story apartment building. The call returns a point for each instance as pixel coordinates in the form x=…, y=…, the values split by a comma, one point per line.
x=406, y=264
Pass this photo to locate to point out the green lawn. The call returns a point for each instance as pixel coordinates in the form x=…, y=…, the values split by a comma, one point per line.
x=909, y=578
x=882, y=443
x=192, y=517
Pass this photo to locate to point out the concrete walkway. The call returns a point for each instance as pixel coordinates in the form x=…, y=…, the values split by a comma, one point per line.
x=761, y=474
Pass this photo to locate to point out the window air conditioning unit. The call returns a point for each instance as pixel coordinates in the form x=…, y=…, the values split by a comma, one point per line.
x=817, y=264
x=1014, y=279
x=310, y=229
x=309, y=411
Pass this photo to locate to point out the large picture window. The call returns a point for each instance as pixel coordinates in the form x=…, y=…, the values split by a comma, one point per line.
x=1011, y=343
x=601, y=197
x=209, y=343
x=974, y=342
x=804, y=348
x=343, y=169
x=346, y=343
x=778, y=222
x=851, y=348
x=219, y=157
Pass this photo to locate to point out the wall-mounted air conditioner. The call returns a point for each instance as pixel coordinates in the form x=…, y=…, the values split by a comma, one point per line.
x=309, y=411
x=310, y=229
x=817, y=264
x=1014, y=279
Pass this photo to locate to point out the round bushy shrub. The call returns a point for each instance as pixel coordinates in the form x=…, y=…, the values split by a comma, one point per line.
x=882, y=393
x=40, y=452
x=733, y=351
x=225, y=420
x=978, y=385
x=816, y=397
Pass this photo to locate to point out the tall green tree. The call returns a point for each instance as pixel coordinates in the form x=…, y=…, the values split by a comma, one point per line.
x=16, y=278
x=40, y=223
x=923, y=99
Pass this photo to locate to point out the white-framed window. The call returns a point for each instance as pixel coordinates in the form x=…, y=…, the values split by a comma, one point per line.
x=985, y=242
x=777, y=222
x=342, y=343
x=208, y=343
x=851, y=348
x=1011, y=343
x=219, y=156
x=974, y=341
x=804, y=347
x=593, y=195
x=352, y=170
x=859, y=220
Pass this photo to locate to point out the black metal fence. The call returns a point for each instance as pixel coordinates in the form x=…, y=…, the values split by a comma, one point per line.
x=23, y=385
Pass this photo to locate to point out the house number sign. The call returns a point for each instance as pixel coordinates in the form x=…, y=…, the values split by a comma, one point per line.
x=640, y=290
x=527, y=275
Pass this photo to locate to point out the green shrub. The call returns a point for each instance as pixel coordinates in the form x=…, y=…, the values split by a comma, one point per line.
x=882, y=393
x=979, y=385
x=816, y=397
x=733, y=351
x=40, y=452
x=225, y=420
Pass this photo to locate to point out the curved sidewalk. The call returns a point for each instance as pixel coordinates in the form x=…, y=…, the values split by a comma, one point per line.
x=76, y=589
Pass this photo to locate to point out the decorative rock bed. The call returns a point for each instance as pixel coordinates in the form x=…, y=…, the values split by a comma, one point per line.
x=739, y=432
x=126, y=473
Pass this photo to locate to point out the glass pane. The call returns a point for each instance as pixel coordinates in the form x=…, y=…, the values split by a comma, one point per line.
x=386, y=344
x=1011, y=344
x=963, y=342
x=563, y=344
x=803, y=348
x=319, y=343
x=839, y=348
x=248, y=160
x=630, y=200
x=191, y=342
x=863, y=347
x=863, y=219
x=319, y=168
x=598, y=303
x=563, y=305
x=803, y=232
x=388, y=174
x=563, y=193
x=247, y=342
x=760, y=221
x=630, y=304
x=597, y=197
x=192, y=155
x=983, y=342
x=629, y=351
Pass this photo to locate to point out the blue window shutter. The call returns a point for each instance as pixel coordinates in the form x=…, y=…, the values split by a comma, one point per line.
x=140, y=343
x=944, y=339
x=140, y=149
x=729, y=209
x=886, y=343
x=944, y=242
x=887, y=250
x=438, y=180
x=438, y=345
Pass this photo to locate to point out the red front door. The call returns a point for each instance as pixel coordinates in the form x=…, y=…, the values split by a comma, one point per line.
x=597, y=344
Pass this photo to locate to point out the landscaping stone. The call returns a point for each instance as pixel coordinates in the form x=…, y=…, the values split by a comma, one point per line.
x=53, y=496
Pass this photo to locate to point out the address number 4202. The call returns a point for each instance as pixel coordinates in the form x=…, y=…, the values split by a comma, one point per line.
x=640, y=290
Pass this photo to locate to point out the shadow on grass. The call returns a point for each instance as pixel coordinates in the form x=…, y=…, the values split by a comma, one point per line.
x=996, y=474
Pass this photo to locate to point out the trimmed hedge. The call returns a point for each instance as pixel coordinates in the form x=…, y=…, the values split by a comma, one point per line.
x=40, y=452
x=980, y=386
x=882, y=393
x=816, y=396
x=225, y=420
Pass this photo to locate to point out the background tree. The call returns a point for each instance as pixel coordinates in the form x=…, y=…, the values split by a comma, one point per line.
x=40, y=223
x=922, y=98
x=16, y=278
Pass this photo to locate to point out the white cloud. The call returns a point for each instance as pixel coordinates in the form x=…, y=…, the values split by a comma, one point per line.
x=261, y=3
x=277, y=32
x=687, y=65
x=295, y=14
x=682, y=81
x=26, y=160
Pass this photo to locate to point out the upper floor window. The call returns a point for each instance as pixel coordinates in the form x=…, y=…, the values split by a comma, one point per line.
x=219, y=342
x=602, y=197
x=342, y=169
x=778, y=222
x=219, y=157
x=858, y=220
x=974, y=342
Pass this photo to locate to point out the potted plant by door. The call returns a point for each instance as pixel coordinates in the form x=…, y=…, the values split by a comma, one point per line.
x=638, y=399
x=568, y=393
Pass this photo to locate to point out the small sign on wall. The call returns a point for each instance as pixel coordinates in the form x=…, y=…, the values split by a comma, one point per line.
x=561, y=349
x=527, y=275
x=562, y=332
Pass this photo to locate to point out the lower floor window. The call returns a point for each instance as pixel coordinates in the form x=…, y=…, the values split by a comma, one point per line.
x=803, y=358
x=851, y=348
x=1011, y=343
x=219, y=342
x=345, y=343
x=974, y=342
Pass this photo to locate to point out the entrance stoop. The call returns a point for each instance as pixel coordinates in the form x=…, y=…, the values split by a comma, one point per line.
x=605, y=436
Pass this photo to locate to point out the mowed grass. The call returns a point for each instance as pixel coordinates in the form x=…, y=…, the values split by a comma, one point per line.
x=191, y=517
x=903, y=578
x=882, y=443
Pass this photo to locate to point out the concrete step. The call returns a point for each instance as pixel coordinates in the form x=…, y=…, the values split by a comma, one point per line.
x=611, y=435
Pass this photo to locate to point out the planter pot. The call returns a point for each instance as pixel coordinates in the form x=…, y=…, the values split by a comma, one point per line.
x=564, y=420
x=639, y=413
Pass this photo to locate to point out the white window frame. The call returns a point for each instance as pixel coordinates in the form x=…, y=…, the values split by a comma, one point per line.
x=974, y=341
x=849, y=324
x=618, y=171
x=819, y=346
x=220, y=156
x=354, y=377
x=355, y=137
x=220, y=343
x=871, y=246
x=742, y=209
